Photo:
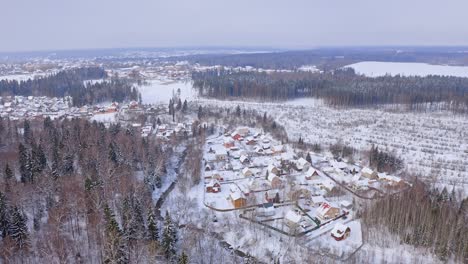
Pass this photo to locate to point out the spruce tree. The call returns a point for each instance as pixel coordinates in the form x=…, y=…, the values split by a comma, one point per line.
x=183, y=259
x=153, y=230
x=169, y=237
x=25, y=164
x=4, y=222
x=185, y=106
x=8, y=173
x=18, y=229
x=308, y=158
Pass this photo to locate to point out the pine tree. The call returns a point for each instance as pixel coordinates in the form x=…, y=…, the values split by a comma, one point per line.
x=8, y=173
x=183, y=259
x=4, y=223
x=185, y=106
x=200, y=112
x=153, y=230
x=238, y=111
x=27, y=134
x=25, y=164
x=169, y=237
x=308, y=158
x=18, y=229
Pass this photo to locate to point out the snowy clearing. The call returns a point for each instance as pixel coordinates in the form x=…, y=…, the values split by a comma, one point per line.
x=376, y=69
x=157, y=92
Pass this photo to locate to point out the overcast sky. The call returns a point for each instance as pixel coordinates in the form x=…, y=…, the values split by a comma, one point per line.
x=27, y=25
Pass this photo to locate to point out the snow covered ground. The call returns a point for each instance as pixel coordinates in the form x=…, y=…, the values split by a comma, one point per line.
x=157, y=92
x=433, y=145
x=375, y=69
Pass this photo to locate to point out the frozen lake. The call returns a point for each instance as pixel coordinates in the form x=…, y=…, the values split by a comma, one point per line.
x=375, y=69
x=157, y=92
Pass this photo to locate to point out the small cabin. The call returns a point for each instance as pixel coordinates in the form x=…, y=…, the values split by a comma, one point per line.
x=340, y=232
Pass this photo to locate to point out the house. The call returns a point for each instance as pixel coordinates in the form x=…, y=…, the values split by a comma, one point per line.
x=238, y=200
x=272, y=169
x=275, y=181
x=215, y=175
x=292, y=219
x=213, y=186
x=244, y=187
x=312, y=174
x=208, y=167
x=346, y=205
x=340, y=232
x=340, y=165
x=244, y=159
x=250, y=141
x=278, y=149
x=266, y=210
x=228, y=142
x=236, y=136
x=221, y=154
x=302, y=164
x=317, y=200
x=243, y=131
x=369, y=173
x=272, y=196
x=247, y=172
x=326, y=211
x=258, y=150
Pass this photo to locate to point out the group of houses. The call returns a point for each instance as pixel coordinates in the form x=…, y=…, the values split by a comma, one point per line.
x=31, y=107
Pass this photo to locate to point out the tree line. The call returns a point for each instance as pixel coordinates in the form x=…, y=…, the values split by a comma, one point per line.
x=342, y=87
x=74, y=83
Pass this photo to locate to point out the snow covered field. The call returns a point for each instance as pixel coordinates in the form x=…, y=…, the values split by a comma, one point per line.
x=431, y=144
x=375, y=69
x=157, y=92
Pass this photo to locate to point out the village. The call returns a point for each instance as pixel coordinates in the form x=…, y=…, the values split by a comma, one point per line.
x=288, y=191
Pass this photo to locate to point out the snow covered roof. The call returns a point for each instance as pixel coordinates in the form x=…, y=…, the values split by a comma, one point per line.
x=367, y=170
x=302, y=162
x=318, y=199
x=339, y=164
x=236, y=196
x=345, y=203
x=246, y=171
x=212, y=183
x=339, y=230
x=278, y=148
x=311, y=172
x=293, y=217
x=271, y=167
x=243, y=158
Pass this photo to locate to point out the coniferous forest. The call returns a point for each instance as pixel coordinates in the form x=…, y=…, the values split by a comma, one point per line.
x=342, y=87
x=75, y=180
x=73, y=83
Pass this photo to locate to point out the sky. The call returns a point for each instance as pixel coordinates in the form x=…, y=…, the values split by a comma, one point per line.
x=30, y=25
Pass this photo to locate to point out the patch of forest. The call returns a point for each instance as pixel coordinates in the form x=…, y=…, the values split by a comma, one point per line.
x=332, y=58
x=424, y=217
x=341, y=87
x=72, y=83
x=76, y=191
